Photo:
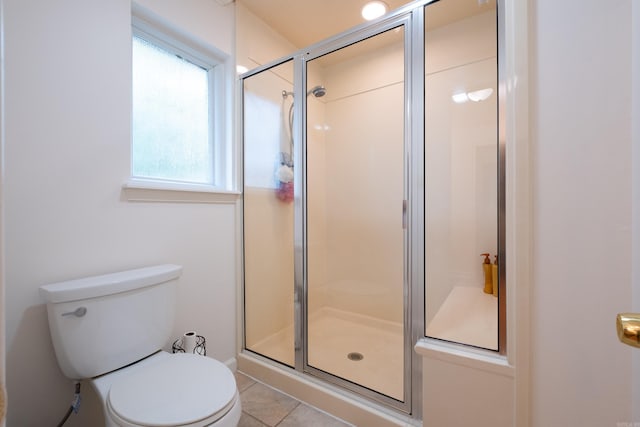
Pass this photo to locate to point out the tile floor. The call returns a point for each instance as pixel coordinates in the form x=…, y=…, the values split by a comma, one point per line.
x=263, y=406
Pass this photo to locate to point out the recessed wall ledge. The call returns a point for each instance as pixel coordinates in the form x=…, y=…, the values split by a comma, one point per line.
x=136, y=190
x=462, y=355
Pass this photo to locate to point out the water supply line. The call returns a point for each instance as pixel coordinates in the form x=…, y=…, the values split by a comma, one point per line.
x=75, y=405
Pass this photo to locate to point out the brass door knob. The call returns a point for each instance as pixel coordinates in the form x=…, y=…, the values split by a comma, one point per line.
x=628, y=326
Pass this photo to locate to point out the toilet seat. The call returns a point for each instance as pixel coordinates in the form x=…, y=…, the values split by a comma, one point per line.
x=178, y=390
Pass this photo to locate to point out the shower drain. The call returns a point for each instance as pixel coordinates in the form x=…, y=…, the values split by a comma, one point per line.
x=355, y=356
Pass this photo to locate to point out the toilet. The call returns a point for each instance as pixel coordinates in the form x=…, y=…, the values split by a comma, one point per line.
x=109, y=330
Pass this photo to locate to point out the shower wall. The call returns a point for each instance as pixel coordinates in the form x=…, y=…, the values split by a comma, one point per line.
x=362, y=167
x=317, y=172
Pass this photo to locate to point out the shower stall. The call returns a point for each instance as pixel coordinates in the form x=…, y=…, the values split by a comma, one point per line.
x=347, y=187
x=337, y=223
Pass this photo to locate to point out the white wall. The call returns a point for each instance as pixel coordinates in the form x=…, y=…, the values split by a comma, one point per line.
x=67, y=150
x=456, y=394
x=581, y=139
x=635, y=112
x=256, y=42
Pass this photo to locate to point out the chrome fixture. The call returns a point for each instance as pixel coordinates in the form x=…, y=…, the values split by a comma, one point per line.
x=317, y=91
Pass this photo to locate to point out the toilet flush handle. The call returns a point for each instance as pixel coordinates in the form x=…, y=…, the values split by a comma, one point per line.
x=78, y=312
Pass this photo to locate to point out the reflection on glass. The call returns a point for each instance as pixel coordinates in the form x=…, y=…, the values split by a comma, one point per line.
x=461, y=152
x=268, y=214
x=355, y=188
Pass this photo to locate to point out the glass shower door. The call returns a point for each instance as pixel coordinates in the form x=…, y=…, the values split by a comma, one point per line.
x=268, y=214
x=461, y=174
x=355, y=199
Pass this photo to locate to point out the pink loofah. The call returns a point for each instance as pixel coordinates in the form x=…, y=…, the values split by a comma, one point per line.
x=284, y=191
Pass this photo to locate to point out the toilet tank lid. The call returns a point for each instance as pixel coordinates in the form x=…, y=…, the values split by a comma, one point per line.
x=107, y=284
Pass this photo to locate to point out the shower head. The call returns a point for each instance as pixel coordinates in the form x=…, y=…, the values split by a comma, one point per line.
x=318, y=91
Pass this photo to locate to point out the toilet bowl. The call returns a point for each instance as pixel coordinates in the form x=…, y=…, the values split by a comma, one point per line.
x=170, y=390
x=109, y=330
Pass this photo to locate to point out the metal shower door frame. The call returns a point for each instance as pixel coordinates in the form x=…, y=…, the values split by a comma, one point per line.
x=412, y=19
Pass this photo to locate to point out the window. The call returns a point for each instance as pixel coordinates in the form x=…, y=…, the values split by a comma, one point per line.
x=171, y=116
x=178, y=104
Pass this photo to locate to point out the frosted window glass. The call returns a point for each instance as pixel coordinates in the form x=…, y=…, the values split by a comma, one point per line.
x=171, y=128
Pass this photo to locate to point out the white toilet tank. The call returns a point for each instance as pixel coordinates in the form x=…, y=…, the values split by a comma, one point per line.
x=102, y=323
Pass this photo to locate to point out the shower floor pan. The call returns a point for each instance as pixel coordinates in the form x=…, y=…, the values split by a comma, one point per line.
x=364, y=350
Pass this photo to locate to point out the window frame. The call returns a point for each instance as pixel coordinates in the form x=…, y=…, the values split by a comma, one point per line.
x=159, y=32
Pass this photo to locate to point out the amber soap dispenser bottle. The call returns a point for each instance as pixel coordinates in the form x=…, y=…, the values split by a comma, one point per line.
x=486, y=266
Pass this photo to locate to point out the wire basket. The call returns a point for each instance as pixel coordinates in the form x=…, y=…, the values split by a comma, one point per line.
x=200, y=348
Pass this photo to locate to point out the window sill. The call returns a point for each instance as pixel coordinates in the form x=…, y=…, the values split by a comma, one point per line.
x=157, y=191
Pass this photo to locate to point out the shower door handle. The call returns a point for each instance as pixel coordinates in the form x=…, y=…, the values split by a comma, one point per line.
x=404, y=214
x=296, y=326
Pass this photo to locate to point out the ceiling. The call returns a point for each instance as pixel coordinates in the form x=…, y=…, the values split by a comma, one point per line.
x=305, y=22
